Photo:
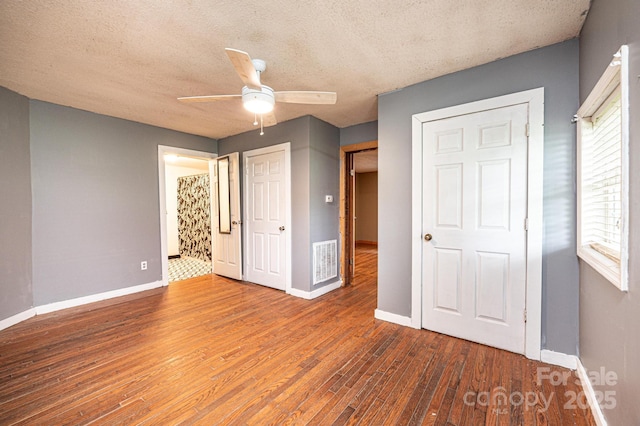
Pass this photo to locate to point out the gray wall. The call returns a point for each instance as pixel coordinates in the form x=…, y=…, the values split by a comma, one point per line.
x=324, y=179
x=16, y=294
x=367, y=206
x=364, y=132
x=556, y=69
x=314, y=150
x=609, y=318
x=96, y=211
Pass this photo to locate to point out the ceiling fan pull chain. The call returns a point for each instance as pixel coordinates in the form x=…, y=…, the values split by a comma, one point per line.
x=255, y=119
x=261, y=126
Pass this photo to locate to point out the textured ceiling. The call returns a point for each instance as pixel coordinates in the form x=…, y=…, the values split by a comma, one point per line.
x=131, y=59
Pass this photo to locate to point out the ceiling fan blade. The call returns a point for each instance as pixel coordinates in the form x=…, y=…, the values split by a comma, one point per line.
x=306, y=97
x=244, y=67
x=211, y=98
x=269, y=119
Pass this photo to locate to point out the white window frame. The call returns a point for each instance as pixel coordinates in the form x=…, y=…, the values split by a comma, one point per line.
x=616, y=74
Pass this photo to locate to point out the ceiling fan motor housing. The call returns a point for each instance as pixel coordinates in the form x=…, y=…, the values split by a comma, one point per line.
x=258, y=101
x=259, y=65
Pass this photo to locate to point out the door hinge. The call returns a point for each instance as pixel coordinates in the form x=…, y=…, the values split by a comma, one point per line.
x=350, y=261
x=525, y=315
x=526, y=223
x=352, y=172
x=526, y=129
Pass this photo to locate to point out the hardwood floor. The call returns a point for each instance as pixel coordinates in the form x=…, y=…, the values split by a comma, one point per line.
x=214, y=351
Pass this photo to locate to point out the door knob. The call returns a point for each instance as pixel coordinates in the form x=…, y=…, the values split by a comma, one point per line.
x=281, y=228
x=428, y=237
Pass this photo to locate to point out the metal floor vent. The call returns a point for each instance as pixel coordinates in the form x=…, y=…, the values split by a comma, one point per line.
x=325, y=261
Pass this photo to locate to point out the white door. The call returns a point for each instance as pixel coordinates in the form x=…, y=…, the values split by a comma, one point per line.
x=473, y=221
x=227, y=246
x=266, y=215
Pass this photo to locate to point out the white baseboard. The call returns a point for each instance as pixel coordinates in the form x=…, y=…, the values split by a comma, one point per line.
x=558, y=358
x=51, y=307
x=573, y=362
x=394, y=318
x=587, y=388
x=300, y=293
x=15, y=319
x=315, y=293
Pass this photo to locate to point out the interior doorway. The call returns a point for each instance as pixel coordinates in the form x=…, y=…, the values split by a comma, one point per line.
x=186, y=172
x=358, y=204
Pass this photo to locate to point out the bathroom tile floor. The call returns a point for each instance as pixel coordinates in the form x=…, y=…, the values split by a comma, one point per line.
x=187, y=267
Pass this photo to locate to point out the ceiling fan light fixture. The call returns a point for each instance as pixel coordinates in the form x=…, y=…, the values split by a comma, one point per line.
x=258, y=106
x=258, y=101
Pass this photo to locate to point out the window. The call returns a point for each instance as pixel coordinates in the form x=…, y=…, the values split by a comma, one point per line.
x=603, y=144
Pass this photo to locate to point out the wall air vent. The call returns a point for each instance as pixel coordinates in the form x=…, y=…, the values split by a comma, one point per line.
x=325, y=261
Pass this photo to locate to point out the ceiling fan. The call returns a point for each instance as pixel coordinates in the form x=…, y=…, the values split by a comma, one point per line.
x=257, y=97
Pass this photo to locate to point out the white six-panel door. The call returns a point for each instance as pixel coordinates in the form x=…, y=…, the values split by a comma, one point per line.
x=474, y=208
x=227, y=248
x=266, y=212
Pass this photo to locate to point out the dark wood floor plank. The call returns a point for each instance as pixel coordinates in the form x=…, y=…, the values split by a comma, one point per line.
x=462, y=386
x=517, y=406
x=360, y=384
x=327, y=391
x=446, y=394
x=550, y=404
x=439, y=394
x=418, y=405
x=479, y=388
x=403, y=387
x=210, y=350
x=325, y=365
x=497, y=394
x=368, y=397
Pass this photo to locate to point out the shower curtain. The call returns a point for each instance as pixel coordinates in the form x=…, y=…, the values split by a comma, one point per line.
x=194, y=222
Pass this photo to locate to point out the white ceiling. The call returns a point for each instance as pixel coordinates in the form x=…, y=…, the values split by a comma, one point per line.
x=184, y=161
x=131, y=59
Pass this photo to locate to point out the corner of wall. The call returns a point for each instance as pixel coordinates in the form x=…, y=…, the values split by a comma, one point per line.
x=16, y=209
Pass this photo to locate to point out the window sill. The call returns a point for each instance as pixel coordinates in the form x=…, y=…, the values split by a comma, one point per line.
x=605, y=266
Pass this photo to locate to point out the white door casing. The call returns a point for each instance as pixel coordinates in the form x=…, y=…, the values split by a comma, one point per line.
x=227, y=248
x=267, y=216
x=475, y=181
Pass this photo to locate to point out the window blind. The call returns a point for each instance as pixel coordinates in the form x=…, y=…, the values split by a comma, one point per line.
x=602, y=178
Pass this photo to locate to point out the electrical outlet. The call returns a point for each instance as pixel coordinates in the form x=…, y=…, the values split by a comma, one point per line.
x=143, y=265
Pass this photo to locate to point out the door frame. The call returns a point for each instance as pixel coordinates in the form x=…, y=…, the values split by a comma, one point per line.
x=246, y=230
x=162, y=195
x=535, y=151
x=347, y=234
